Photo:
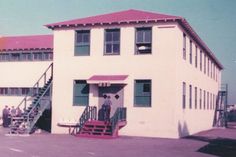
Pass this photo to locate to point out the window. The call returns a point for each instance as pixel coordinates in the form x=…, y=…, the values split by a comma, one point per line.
x=213, y=106
x=15, y=56
x=207, y=100
x=200, y=99
x=204, y=99
x=81, y=93
x=210, y=101
x=196, y=56
x=143, y=40
x=112, y=42
x=25, y=91
x=190, y=96
x=201, y=60
x=26, y=56
x=82, y=43
x=38, y=56
x=208, y=66
x=195, y=96
x=3, y=91
x=142, y=93
x=204, y=63
x=47, y=56
x=14, y=91
x=184, y=96
x=4, y=57
x=190, y=51
x=184, y=46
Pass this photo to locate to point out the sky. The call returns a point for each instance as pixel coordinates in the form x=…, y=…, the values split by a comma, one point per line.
x=213, y=20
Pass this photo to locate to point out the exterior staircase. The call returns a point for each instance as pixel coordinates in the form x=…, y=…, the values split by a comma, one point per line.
x=100, y=129
x=220, y=115
x=33, y=106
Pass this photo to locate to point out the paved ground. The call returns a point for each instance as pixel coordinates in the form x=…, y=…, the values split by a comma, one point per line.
x=217, y=142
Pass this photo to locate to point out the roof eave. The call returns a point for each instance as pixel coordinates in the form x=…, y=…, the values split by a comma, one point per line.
x=184, y=23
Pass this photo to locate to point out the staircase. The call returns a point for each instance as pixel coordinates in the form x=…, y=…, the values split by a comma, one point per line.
x=220, y=115
x=33, y=104
x=100, y=129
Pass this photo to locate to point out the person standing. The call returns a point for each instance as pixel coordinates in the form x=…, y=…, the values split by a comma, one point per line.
x=107, y=105
x=5, y=114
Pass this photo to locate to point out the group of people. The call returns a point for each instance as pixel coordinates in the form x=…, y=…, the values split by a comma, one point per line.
x=8, y=112
x=104, y=112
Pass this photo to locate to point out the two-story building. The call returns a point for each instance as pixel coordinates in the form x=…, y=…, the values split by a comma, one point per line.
x=153, y=64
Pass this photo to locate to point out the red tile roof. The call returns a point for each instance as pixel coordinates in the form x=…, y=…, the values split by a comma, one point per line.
x=26, y=42
x=117, y=17
x=133, y=17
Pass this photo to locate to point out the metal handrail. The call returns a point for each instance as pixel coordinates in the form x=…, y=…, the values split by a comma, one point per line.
x=89, y=113
x=119, y=115
x=37, y=104
x=36, y=85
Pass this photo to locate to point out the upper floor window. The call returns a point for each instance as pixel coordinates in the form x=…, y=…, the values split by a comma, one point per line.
x=190, y=96
x=201, y=60
x=112, y=42
x=142, y=93
x=196, y=54
x=184, y=46
x=143, y=40
x=82, y=43
x=190, y=51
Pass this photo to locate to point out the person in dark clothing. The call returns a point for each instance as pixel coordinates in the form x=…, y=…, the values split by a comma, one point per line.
x=107, y=106
x=5, y=114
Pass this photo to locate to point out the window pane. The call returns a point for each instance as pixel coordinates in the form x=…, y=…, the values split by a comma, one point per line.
x=116, y=48
x=108, y=36
x=116, y=36
x=82, y=50
x=108, y=48
x=79, y=38
x=139, y=36
x=86, y=38
x=147, y=36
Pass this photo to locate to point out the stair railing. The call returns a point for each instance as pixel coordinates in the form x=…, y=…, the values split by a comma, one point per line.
x=119, y=115
x=89, y=113
x=36, y=107
x=48, y=73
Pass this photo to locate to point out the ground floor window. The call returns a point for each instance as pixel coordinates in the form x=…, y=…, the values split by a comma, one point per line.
x=17, y=91
x=81, y=93
x=142, y=93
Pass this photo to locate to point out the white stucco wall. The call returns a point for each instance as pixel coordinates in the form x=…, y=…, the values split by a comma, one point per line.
x=193, y=120
x=165, y=67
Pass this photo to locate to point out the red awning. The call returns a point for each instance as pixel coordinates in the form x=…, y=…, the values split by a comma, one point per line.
x=106, y=80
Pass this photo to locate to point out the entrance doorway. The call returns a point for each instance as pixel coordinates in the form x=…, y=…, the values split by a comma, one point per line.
x=116, y=92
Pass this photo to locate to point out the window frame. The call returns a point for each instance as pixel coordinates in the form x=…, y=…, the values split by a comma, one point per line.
x=81, y=44
x=137, y=52
x=86, y=95
x=184, y=45
x=144, y=94
x=184, y=95
x=112, y=43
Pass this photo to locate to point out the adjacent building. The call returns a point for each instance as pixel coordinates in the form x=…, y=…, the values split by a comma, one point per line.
x=23, y=59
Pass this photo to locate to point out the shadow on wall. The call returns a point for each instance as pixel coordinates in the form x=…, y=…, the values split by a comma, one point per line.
x=183, y=129
x=222, y=147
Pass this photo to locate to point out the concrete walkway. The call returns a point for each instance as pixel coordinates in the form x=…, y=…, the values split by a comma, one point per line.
x=216, y=142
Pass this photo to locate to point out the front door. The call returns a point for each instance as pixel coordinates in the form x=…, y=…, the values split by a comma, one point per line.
x=116, y=93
